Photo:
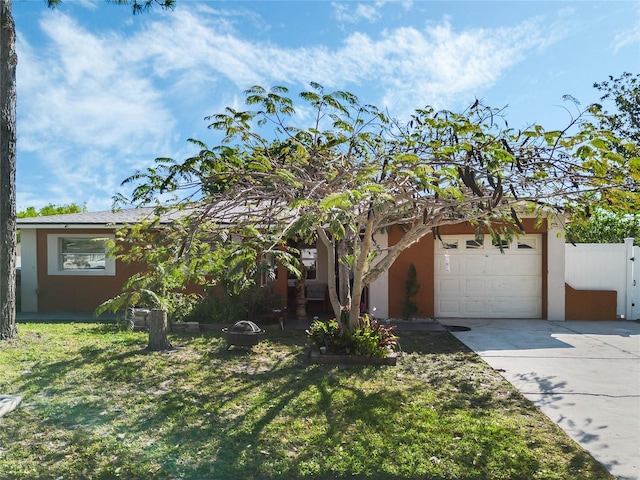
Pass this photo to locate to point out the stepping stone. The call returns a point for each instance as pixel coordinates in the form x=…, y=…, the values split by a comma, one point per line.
x=8, y=403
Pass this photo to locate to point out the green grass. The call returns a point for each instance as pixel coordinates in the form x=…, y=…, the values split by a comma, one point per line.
x=98, y=406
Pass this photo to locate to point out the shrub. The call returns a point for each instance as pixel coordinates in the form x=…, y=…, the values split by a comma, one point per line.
x=223, y=306
x=324, y=334
x=409, y=307
x=370, y=338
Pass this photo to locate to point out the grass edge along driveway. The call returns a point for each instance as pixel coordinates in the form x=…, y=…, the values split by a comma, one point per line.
x=97, y=405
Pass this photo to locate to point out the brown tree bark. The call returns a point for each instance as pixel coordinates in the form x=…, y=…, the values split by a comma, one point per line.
x=8, y=98
x=158, y=328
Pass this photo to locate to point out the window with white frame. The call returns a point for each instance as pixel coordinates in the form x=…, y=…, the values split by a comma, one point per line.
x=79, y=254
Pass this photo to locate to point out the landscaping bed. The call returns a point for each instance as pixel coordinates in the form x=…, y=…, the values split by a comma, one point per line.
x=318, y=358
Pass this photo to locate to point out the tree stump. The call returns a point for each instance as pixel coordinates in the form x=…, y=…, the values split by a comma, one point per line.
x=158, y=328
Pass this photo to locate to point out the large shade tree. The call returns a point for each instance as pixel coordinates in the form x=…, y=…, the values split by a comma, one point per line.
x=354, y=171
x=623, y=94
x=617, y=214
x=8, y=63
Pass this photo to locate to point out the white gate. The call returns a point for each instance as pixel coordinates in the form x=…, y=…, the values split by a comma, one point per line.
x=597, y=266
x=633, y=302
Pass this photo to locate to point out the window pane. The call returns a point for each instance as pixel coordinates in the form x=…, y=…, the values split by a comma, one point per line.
x=529, y=243
x=503, y=242
x=309, y=258
x=452, y=245
x=472, y=244
x=82, y=254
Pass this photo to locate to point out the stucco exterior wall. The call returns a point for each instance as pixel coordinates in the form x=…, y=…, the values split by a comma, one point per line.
x=56, y=293
x=555, y=263
x=421, y=255
x=378, y=290
x=29, y=271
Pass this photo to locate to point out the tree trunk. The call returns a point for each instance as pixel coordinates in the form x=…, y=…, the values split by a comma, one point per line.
x=158, y=327
x=343, y=274
x=8, y=62
x=331, y=261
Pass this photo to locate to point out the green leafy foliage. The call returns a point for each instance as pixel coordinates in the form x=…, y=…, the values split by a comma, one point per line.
x=619, y=113
x=182, y=273
x=99, y=406
x=51, y=209
x=409, y=307
x=622, y=96
x=48, y=210
x=370, y=338
x=604, y=227
x=353, y=171
x=255, y=303
x=325, y=334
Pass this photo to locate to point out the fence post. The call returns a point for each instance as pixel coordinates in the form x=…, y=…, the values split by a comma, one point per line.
x=629, y=289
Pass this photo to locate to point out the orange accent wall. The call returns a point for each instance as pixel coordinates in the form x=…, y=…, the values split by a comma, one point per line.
x=590, y=304
x=280, y=285
x=66, y=293
x=77, y=293
x=421, y=254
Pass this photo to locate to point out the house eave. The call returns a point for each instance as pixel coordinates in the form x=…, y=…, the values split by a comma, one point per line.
x=74, y=226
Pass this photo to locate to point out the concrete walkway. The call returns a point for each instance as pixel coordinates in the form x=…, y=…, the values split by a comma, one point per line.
x=585, y=376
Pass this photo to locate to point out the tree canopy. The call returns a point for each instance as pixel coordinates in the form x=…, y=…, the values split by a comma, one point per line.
x=604, y=227
x=355, y=171
x=617, y=217
x=48, y=210
x=51, y=209
x=623, y=93
x=619, y=112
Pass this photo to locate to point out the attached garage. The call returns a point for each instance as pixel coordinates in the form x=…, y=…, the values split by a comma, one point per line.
x=474, y=278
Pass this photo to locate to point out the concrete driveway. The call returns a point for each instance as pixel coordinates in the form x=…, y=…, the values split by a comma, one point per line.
x=585, y=376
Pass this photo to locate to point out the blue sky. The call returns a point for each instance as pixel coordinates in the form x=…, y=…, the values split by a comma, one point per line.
x=102, y=93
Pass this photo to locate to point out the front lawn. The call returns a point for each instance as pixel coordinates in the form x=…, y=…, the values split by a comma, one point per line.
x=98, y=406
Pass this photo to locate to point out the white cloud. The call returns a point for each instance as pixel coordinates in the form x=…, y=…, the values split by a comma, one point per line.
x=628, y=38
x=436, y=62
x=86, y=111
x=96, y=106
x=367, y=11
x=347, y=13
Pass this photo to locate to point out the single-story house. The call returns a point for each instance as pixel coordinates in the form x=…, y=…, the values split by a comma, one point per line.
x=64, y=268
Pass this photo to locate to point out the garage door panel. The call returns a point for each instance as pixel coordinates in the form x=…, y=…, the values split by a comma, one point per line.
x=475, y=307
x=474, y=286
x=500, y=287
x=441, y=265
x=508, y=265
x=449, y=307
x=483, y=282
x=507, y=287
x=447, y=287
x=526, y=286
x=471, y=265
x=516, y=308
x=514, y=287
x=459, y=264
x=496, y=308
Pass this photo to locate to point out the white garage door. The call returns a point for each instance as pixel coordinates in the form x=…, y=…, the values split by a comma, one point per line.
x=475, y=280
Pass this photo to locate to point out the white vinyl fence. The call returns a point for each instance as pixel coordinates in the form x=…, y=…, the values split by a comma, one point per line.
x=599, y=266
